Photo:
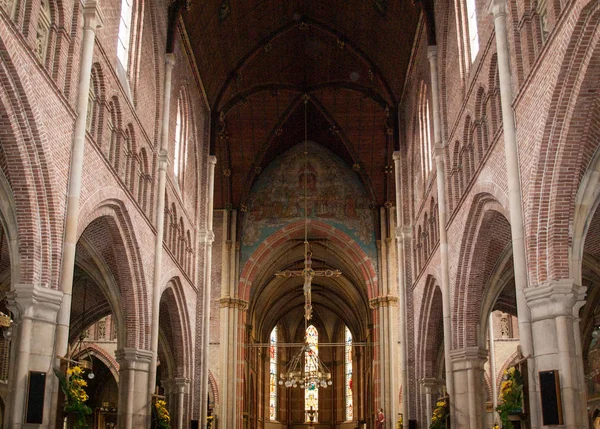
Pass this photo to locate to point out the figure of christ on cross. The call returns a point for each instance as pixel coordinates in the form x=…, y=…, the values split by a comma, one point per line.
x=308, y=273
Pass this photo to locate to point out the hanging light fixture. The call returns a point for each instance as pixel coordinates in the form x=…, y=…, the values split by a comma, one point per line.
x=305, y=369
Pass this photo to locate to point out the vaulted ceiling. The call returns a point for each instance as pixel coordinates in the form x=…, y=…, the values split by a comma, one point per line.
x=265, y=64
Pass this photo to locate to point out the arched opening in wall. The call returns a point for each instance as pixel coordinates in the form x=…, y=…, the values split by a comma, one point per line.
x=486, y=325
x=172, y=372
x=6, y=329
x=339, y=307
x=104, y=303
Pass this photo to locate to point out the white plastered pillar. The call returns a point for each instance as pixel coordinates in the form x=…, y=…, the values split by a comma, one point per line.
x=469, y=387
x=35, y=309
x=555, y=309
x=498, y=9
x=92, y=21
x=442, y=217
x=134, y=366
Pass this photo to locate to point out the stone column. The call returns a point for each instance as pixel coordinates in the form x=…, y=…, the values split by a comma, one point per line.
x=555, y=309
x=385, y=309
x=206, y=240
x=92, y=20
x=442, y=207
x=180, y=387
x=498, y=9
x=469, y=387
x=35, y=309
x=430, y=386
x=160, y=216
x=401, y=235
x=134, y=366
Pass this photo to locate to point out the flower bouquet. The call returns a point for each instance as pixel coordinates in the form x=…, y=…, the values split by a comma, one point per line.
x=511, y=395
x=73, y=386
x=441, y=411
x=163, y=418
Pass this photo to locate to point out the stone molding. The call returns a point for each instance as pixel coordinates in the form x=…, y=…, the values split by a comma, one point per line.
x=34, y=302
x=383, y=301
x=93, y=17
x=468, y=358
x=207, y=236
x=497, y=7
x=234, y=303
x=431, y=385
x=133, y=358
x=555, y=298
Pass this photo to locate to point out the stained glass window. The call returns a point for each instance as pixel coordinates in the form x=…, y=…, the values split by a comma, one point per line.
x=124, y=32
x=273, y=376
x=473, y=32
x=348, y=378
x=311, y=392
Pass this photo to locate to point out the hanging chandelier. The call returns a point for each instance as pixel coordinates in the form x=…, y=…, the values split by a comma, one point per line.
x=306, y=370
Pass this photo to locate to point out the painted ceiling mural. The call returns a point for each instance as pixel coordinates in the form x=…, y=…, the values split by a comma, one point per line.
x=335, y=196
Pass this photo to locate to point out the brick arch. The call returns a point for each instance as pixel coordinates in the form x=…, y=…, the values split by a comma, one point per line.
x=132, y=285
x=516, y=356
x=485, y=237
x=566, y=148
x=27, y=165
x=103, y=356
x=317, y=229
x=178, y=320
x=430, y=337
x=213, y=387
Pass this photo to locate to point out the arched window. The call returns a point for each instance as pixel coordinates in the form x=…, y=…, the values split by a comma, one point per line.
x=9, y=7
x=124, y=32
x=425, y=132
x=43, y=31
x=273, y=376
x=311, y=391
x=348, y=373
x=181, y=137
x=89, y=119
x=473, y=32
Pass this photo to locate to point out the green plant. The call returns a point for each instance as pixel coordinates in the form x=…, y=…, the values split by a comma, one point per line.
x=73, y=386
x=511, y=395
x=441, y=411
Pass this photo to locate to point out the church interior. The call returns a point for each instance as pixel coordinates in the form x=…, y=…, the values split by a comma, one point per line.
x=270, y=214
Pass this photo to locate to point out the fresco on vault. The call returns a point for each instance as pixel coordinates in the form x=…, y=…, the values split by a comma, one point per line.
x=335, y=196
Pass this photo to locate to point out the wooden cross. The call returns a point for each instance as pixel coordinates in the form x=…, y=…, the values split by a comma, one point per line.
x=308, y=274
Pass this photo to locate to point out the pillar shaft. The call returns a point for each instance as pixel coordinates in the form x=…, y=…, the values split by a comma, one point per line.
x=468, y=373
x=554, y=308
x=35, y=309
x=92, y=20
x=498, y=10
x=160, y=216
x=442, y=207
x=207, y=239
x=401, y=273
x=134, y=365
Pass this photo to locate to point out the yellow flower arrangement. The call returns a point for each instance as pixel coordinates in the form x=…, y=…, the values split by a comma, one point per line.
x=441, y=411
x=511, y=395
x=162, y=414
x=209, y=422
x=73, y=386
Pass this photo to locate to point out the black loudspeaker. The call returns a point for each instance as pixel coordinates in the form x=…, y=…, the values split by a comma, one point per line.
x=551, y=403
x=194, y=424
x=412, y=424
x=35, y=397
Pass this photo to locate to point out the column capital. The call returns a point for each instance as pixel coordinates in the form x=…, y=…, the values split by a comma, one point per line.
x=181, y=384
x=169, y=59
x=92, y=15
x=133, y=358
x=212, y=160
x=555, y=298
x=432, y=51
x=497, y=7
x=431, y=385
x=403, y=233
x=206, y=236
x=234, y=303
x=35, y=302
x=383, y=301
x=163, y=159
x=468, y=358
x=397, y=155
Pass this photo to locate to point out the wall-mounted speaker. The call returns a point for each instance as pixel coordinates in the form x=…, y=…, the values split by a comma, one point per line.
x=551, y=402
x=35, y=397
